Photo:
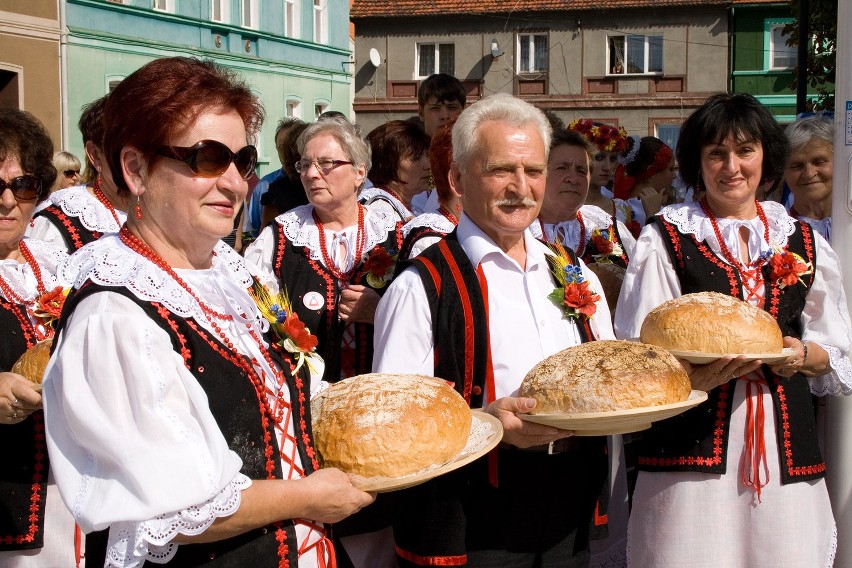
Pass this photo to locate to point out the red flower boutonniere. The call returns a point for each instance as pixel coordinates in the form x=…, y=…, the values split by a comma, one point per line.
x=48, y=306
x=788, y=268
x=573, y=294
x=379, y=267
x=606, y=246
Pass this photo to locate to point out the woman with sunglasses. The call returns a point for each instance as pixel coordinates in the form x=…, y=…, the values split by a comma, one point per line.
x=35, y=527
x=68, y=167
x=178, y=425
x=80, y=214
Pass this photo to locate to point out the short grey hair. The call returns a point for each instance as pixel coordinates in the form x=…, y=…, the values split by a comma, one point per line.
x=500, y=107
x=806, y=130
x=356, y=149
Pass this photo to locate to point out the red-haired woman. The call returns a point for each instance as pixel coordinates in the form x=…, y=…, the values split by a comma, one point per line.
x=177, y=424
x=644, y=179
x=428, y=228
x=400, y=167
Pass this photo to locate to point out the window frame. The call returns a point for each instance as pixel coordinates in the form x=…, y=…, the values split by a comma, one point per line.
x=647, y=41
x=292, y=21
x=437, y=66
x=254, y=14
x=225, y=7
x=320, y=21
x=296, y=104
x=518, y=59
x=168, y=9
x=769, y=27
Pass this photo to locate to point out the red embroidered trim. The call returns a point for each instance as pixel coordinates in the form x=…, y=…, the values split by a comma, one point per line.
x=736, y=288
x=491, y=391
x=468, y=318
x=792, y=470
x=27, y=327
x=35, y=487
x=675, y=240
x=279, y=251
x=433, y=272
x=72, y=231
x=431, y=560
x=600, y=520
x=166, y=315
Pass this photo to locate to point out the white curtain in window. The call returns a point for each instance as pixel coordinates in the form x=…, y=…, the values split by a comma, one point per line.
x=616, y=55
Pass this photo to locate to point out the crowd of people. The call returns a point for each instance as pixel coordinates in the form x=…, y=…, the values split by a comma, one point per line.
x=173, y=422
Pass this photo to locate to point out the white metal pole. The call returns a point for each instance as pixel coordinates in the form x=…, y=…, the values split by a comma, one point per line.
x=839, y=409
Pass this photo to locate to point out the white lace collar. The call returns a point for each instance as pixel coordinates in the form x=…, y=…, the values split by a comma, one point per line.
x=435, y=221
x=690, y=219
x=78, y=202
x=20, y=276
x=369, y=195
x=301, y=230
x=109, y=262
x=568, y=232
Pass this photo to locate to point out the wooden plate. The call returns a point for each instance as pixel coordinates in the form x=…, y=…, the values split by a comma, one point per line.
x=486, y=431
x=704, y=358
x=616, y=421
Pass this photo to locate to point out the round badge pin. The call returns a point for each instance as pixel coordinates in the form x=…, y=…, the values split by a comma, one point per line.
x=313, y=301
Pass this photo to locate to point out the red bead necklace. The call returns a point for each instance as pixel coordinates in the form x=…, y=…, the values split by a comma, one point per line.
x=99, y=195
x=726, y=252
x=448, y=214
x=361, y=239
x=16, y=299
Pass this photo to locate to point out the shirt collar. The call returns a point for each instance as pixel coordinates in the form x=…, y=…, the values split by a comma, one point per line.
x=477, y=245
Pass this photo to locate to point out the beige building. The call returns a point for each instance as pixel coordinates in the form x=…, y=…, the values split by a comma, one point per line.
x=30, y=60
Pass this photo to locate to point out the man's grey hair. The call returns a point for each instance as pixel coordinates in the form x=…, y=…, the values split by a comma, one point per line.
x=501, y=107
x=804, y=131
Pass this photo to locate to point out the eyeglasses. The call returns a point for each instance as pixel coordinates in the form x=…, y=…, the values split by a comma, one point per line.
x=24, y=188
x=324, y=166
x=71, y=173
x=210, y=158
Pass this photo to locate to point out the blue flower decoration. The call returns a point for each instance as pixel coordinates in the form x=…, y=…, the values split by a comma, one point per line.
x=573, y=274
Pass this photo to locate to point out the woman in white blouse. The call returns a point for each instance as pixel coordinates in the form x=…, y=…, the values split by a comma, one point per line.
x=177, y=427
x=738, y=481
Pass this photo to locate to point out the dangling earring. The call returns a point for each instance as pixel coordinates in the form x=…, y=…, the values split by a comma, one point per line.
x=97, y=185
x=458, y=207
x=138, y=208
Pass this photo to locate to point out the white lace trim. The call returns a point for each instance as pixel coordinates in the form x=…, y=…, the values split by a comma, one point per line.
x=20, y=276
x=78, y=202
x=301, y=231
x=832, y=383
x=371, y=194
x=131, y=544
x=109, y=262
x=434, y=221
x=594, y=218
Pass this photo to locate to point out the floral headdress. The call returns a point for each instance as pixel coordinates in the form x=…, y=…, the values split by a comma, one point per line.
x=290, y=330
x=573, y=294
x=607, y=138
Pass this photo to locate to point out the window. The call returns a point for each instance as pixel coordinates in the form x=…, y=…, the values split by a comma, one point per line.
x=164, y=5
x=320, y=21
x=112, y=84
x=293, y=108
x=532, y=53
x=291, y=18
x=248, y=13
x=781, y=55
x=435, y=58
x=320, y=108
x=220, y=11
x=11, y=87
x=635, y=55
x=668, y=133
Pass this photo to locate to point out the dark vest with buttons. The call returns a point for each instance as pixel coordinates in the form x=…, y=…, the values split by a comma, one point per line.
x=430, y=520
x=24, y=467
x=697, y=440
x=235, y=406
x=299, y=275
x=74, y=234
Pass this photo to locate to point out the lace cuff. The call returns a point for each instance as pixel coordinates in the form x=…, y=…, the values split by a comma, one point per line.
x=837, y=381
x=131, y=543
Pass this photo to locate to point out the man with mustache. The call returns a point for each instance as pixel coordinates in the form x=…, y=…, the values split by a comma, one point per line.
x=473, y=309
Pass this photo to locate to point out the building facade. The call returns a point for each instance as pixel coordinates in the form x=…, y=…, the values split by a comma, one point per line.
x=295, y=54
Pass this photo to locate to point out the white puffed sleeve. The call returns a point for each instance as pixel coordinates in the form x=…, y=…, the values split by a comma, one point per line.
x=258, y=256
x=129, y=430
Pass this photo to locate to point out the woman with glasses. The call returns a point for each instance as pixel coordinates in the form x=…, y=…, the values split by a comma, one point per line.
x=35, y=527
x=80, y=214
x=177, y=422
x=68, y=168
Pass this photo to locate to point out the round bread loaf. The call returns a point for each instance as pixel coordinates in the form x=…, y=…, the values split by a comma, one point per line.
x=611, y=277
x=602, y=376
x=709, y=322
x=384, y=425
x=34, y=361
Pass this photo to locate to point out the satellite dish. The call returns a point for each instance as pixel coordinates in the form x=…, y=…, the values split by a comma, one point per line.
x=375, y=57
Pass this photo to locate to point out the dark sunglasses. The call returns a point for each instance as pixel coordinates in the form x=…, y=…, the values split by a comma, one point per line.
x=24, y=188
x=71, y=173
x=210, y=158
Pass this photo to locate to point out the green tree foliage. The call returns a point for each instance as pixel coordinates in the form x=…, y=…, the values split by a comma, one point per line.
x=821, y=56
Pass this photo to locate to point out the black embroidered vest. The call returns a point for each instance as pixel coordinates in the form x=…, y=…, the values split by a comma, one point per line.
x=300, y=275
x=73, y=232
x=697, y=440
x=235, y=406
x=414, y=235
x=24, y=467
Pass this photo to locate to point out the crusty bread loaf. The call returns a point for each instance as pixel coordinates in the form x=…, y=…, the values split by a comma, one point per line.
x=709, y=322
x=385, y=425
x=602, y=376
x=34, y=361
x=611, y=277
